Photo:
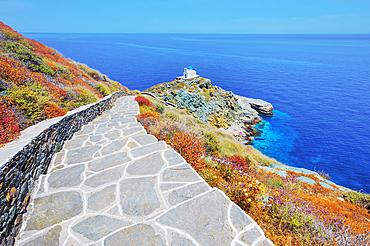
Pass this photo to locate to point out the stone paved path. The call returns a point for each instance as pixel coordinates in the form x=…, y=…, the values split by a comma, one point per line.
x=113, y=184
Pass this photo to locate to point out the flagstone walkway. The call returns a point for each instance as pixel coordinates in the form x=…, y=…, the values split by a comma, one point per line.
x=113, y=184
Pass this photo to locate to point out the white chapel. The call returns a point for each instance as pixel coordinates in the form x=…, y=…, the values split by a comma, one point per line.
x=189, y=73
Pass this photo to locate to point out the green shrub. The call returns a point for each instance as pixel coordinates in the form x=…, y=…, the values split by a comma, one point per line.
x=102, y=89
x=42, y=68
x=358, y=198
x=159, y=108
x=61, y=69
x=86, y=96
x=172, y=116
x=276, y=183
x=31, y=99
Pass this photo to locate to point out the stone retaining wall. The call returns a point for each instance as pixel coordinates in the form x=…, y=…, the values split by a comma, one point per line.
x=19, y=174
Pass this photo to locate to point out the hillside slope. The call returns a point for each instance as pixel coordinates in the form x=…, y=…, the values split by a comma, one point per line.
x=38, y=83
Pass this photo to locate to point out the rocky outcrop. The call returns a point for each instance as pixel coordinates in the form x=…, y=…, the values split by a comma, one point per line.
x=211, y=104
x=262, y=107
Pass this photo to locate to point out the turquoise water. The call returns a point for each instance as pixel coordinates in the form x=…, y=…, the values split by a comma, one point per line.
x=318, y=84
x=277, y=137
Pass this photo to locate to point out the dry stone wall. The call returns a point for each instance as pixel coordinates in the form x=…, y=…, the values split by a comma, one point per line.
x=19, y=174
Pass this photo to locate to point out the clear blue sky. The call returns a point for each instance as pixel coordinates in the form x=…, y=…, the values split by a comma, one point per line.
x=190, y=16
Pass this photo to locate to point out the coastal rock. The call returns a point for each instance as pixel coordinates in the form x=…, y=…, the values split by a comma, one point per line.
x=261, y=106
x=257, y=105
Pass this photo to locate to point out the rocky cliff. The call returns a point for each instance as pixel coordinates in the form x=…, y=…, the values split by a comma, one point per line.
x=211, y=104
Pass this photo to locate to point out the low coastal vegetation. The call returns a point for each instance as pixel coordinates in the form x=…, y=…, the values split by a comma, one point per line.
x=291, y=212
x=38, y=83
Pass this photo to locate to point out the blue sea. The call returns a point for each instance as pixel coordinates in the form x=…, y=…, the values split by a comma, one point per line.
x=319, y=86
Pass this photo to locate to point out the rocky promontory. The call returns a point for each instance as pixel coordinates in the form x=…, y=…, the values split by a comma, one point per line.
x=211, y=104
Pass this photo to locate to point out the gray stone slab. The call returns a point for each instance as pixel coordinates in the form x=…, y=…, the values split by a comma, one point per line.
x=58, y=158
x=250, y=236
x=102, y=199
x=51, y=238
x=121, y=126
x=140, y=234
x=132, y=112
x=95, y=138
x=181, y=173
x=176, y=239
x=238, y=218
x=132, y=145
x=134, y=124
x=52, y=209
x=102, y=130
x=57, y=168
x=96, y=227
x=113, y=124
x=100, y=121
x=131, y=131
x=138, y=196
x=108, y=161
x=82, y=154
x=66, y=177
x=102, y=142
x=123, y=120
x=116, y=116
x=113, y=134
x=150, y=164
x=204, y=219
x=86, y=129
x=169, y=186
x=185, y=193
x=75, y=143
x=105, y=177
x=113, y=211
x=148, y=149
x=173, y=158
x=72, y=242
x=144, y=139
x=114, y=146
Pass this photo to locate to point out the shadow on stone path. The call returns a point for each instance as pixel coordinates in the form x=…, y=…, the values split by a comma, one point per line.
x=113, y=184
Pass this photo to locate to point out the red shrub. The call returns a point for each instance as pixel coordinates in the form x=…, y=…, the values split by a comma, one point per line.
x=237, y=159
x=52, y=110
x=143, y=101
x=9, y=128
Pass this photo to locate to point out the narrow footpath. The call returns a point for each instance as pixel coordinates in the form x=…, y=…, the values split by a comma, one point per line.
x=114, y=184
